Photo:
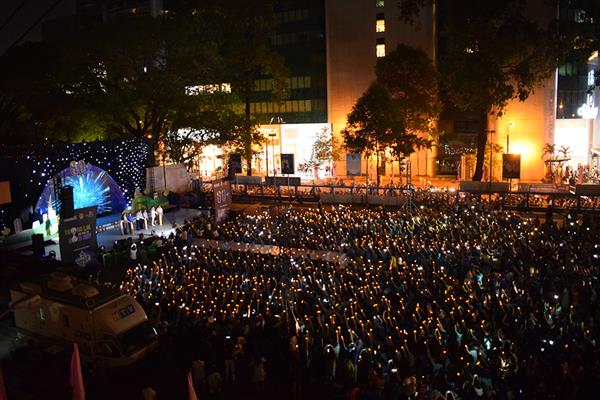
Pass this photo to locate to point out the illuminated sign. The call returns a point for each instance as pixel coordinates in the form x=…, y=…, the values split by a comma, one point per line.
x=77, y=235
x=211, y=88
x=222, y=199
x=587, y=112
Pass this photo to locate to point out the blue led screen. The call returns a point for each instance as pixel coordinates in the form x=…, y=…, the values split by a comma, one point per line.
x=91, y=187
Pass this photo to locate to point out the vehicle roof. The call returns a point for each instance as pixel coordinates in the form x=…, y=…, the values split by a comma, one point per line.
x=104, y=296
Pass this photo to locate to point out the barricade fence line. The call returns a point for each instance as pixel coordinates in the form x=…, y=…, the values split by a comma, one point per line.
x=534, y=201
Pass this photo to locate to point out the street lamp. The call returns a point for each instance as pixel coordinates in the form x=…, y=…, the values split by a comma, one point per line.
x=267, y=157
x=276, y=120
x=272, y=136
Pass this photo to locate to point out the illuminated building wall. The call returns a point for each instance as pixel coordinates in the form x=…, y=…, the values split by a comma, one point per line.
x=529, y=126
x=577, y=120
x=358, y=31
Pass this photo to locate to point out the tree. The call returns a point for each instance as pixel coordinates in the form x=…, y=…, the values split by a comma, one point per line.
x=128, y=73
x=14, y=121
x=496, y=54
x=490, y=157
x=136, y=77
x=410, y=9
x=213, y=122
x=29, y=82
x=370, y=120
x=412, y=81
x=247, y=28
x=399, y=109
x=325, y=150
x=375, y=123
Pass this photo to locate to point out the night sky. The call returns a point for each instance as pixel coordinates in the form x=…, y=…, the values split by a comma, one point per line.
x=27, y=12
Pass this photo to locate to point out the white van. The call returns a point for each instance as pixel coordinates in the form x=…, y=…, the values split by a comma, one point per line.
x=109, y=327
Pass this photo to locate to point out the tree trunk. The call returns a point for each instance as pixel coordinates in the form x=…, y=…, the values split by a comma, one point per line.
x=481, y=142
x=248, y=138
x=377, y=166
x=152, y=150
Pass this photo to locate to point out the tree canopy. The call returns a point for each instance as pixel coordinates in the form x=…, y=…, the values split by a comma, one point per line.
x=494, y=53
x=247, y=29
x=325, y=150
x=398, y=110
x=191, y=69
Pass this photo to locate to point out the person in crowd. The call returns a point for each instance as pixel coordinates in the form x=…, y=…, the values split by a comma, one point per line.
x=439, y=301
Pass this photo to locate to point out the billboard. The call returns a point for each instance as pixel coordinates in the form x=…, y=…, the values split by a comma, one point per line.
x=511, y=166
x=287, y=164
x=353, y=164
x=77, y=237
x=222, y=199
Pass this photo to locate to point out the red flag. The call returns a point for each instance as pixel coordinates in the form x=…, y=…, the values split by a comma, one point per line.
x=76, y=379
x=2, y=388
x=191, y=391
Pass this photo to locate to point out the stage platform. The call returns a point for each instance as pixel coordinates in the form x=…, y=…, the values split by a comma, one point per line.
x=108, y=232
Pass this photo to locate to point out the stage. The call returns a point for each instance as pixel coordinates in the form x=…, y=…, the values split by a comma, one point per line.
x=108, y=232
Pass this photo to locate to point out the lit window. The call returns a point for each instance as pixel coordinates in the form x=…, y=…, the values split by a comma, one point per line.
x=379, y=3
x=212, y=88
x=380, y=25
x=380, y=48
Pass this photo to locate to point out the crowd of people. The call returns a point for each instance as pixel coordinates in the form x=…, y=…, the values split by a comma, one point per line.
x=437, y=302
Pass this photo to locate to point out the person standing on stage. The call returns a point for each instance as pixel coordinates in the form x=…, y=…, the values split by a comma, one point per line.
x=159, y=211
x=153, y=216
x=130, y=219
x=139, y=218
x=145, y=215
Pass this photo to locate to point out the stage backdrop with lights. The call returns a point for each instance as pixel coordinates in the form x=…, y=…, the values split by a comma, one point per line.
x=29, y=168
x=92, y=186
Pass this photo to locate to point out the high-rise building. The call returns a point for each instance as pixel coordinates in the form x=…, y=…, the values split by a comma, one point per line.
x=358, y=32
x=331, y=48
x=300, y=39
x=577, y=120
